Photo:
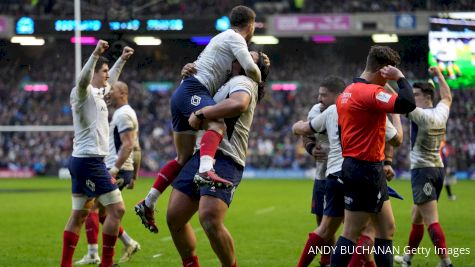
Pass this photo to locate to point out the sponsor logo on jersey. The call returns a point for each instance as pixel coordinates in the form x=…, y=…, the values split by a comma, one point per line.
x=383, y=97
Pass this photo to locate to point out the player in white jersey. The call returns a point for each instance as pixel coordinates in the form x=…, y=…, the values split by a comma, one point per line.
x=334, y=192
x=89, y=176
x=236, y=101
x=319, y=146
x=213, y=68
x=428, y=125
x=123, y=163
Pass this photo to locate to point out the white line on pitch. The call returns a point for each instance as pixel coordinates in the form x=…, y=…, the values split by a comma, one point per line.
x=157, y=255
x=266, y=210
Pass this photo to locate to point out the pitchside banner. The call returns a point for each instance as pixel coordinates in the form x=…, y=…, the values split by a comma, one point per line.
x=311, y=23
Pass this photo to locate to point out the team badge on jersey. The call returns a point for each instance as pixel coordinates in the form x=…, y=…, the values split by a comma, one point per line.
x=195, y=100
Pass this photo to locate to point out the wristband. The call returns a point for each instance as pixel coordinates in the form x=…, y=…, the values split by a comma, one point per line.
x=388, y=162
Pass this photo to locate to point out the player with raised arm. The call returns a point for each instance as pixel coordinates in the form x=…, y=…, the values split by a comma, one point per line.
x=213, y=67
x=123, y=163
x=362, y=110
x=89, y=176
x=236, y=101
x=428, y=126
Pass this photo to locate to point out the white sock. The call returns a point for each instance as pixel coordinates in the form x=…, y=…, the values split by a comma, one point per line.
x=93, y=250
x=446, y=261
x=151, y=198
x=125, y=238
x=407, y=257
x=206, y=164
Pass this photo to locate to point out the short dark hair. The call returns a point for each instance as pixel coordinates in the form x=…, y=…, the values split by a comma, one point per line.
x=334, y=84
x=100, y=62
x=381, y=56
x=241, y=16
x=426, y=89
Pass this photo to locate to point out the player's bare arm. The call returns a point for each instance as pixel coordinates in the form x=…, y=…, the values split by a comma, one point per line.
x=86, y=74
x=137, y=158
x=237, y=103
x=127, y=139
x=302, y=128
x=388, y=169
x=115, y=71
x=398, y=138
x=445, y=94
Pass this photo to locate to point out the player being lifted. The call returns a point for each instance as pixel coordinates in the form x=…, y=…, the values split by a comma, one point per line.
x=196, y=92
x=428, y=124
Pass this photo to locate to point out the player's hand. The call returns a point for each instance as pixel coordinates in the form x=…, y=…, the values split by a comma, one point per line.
x=389, y=171
x=391, y=73
x=127, y=53
x=131, y=184
x=113, y=171
x=195, y=122
x=320, y=153
x=435, y=71
x=188, y=70
x=266, y=59
x=101, y=47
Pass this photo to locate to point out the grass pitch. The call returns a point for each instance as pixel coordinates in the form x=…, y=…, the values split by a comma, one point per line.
x=269, y=220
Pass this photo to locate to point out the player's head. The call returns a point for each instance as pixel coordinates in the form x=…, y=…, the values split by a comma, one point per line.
x=381, y=56
x=329, y=90
x=118, y=95
x=101, y=72
x=243, y=18
x=424, y=94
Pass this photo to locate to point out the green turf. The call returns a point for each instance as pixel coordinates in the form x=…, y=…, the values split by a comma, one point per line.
x=269, y=220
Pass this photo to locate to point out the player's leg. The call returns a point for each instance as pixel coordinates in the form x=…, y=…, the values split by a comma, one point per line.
x=385, y=227
x=181, y=208
x=212, y=211
x=92, y=234
x=80, y=209
x=208, y=146
x=415, y=238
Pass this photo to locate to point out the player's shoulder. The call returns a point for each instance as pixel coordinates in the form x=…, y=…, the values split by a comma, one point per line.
x=242, y=79
x=314, y=111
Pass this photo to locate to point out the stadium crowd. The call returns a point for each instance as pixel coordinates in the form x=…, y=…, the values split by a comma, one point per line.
x=121, y=9
x=271, y=143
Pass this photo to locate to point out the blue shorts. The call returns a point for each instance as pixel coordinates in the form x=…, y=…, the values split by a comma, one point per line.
x=318, y=196
x=334, y=196
x=225, y=167
x=189, y=97
x=426, y=184
x=89, y=176
x=123, y=178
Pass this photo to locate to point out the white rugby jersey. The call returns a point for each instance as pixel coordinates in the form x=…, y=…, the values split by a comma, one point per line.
x=90, y=114
x=215, y=62
x=427, y=131
x=124, y=119
x=321, y=139
x=235, y=140
x=327, y=122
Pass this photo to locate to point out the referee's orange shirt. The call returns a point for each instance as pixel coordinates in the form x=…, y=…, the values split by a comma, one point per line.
x=362, y=109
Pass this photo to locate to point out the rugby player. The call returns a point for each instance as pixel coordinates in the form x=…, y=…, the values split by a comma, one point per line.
x=89, y=176
x=428, y=126
x=236, y=100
